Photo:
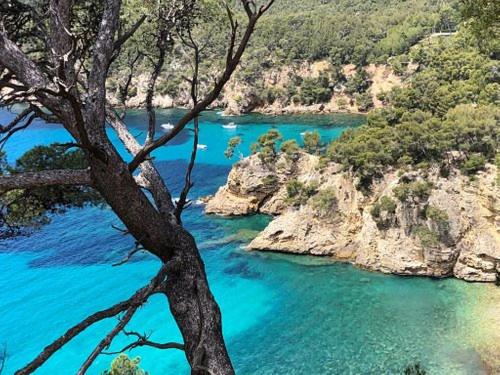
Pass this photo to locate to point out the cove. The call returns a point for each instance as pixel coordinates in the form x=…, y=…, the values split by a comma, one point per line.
x=282, y=314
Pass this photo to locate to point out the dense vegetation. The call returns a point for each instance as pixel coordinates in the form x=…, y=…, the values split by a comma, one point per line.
x=22, y=208
x=340, y=32
x=450, y=104
x=357, y=32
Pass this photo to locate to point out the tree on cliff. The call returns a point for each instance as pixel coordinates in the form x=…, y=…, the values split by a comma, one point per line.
x=55, y=57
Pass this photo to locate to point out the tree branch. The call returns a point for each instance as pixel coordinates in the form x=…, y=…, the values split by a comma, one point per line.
x=143, y=340
x=69, y=177
x=149, y=173
x=137, y=300
x=128, y=34
x=105, y=342
x=230, y=67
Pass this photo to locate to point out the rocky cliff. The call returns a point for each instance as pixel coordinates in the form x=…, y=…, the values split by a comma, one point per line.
x=411, y=223
x=241, y=96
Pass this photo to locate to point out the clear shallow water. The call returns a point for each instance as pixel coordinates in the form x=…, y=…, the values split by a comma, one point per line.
x=282, y=314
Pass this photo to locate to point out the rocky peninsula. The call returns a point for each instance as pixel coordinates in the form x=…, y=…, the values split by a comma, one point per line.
x=412, y=222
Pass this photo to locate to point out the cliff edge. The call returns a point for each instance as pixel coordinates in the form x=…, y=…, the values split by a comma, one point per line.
x=411, y=223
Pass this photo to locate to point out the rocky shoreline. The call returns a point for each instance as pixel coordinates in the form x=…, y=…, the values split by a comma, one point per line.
x=239, y=97
x=412, y=223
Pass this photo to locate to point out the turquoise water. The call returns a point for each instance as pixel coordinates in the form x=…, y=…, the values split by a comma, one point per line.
x=281, y=314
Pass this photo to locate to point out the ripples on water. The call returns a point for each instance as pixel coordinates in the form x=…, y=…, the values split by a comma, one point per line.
x=282, y=314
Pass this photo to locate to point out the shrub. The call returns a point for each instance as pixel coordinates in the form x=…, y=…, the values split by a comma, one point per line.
x=364, y=101
x=427, y=237
x=358, y=83
x=123, y=365
x=312, y=142
x=290, y=148
x=270, y=180
x=474, y=164
x=299, y=193
x=266, y=145
x=342, y=103
x=294, y=188
x=232, y=144
x=169, y=86
x=415, y=369
x=436, y=214
x=385, y=204
x=417, y=189
x=325, y=202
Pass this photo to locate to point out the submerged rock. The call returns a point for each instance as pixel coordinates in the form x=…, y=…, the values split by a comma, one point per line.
x=449, y=227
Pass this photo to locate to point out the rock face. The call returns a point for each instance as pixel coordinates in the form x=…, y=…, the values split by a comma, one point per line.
x=413, y=223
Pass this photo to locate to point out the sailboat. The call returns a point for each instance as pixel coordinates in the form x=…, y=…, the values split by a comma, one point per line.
x=231, y=125
x=167, y=126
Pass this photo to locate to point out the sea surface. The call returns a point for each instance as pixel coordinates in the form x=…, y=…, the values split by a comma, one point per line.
x=282, y=314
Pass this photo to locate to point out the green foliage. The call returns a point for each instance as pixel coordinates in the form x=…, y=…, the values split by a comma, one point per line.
x=364, y=101
x=420, y=190
x=169, y=86
x=484, y=20
x=32, y=207
x=232, y=144
x=266, y=145
x=55, y=156
x=385, y=204
x=347, y=31
x=123, y=365
x=474, y=164
x=383, y=211
x=290, y=148
x=325, y=202
x=448, y=106
x=312, y=142
x=359, y=82
x=415, y=369
x=270, y=180
x=315, y=90
x=299, y=193
x=427, y=237
x=343, y=32
x=436, y=214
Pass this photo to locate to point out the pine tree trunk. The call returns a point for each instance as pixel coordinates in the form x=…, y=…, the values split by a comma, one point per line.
x=191, y=301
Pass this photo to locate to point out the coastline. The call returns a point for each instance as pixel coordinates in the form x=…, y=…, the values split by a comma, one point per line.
x=484, y=315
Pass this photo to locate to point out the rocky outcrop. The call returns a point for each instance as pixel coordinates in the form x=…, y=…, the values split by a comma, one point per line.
x=413, y=223
x=239, y=96
x=255, y=186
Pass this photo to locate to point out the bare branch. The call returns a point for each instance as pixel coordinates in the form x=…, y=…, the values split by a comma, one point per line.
x=69, y=177
x=128, y=34
x=143, y=340
x=105, y=342
x=188, y=184
x=137, y=300
x=20, y=117
x=129, y=256
x=231, y=65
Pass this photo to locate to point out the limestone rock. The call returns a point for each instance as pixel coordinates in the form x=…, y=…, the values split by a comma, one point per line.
x=452, y=231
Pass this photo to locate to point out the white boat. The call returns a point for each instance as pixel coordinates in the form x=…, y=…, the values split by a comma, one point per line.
x=231, y=125
x=202, y=147
x=303, y=133
x=167, y=126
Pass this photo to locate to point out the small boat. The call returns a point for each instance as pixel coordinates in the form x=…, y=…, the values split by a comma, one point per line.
x=303, y=133
x=231, y=125
x=167, y=126
x=202, y=147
